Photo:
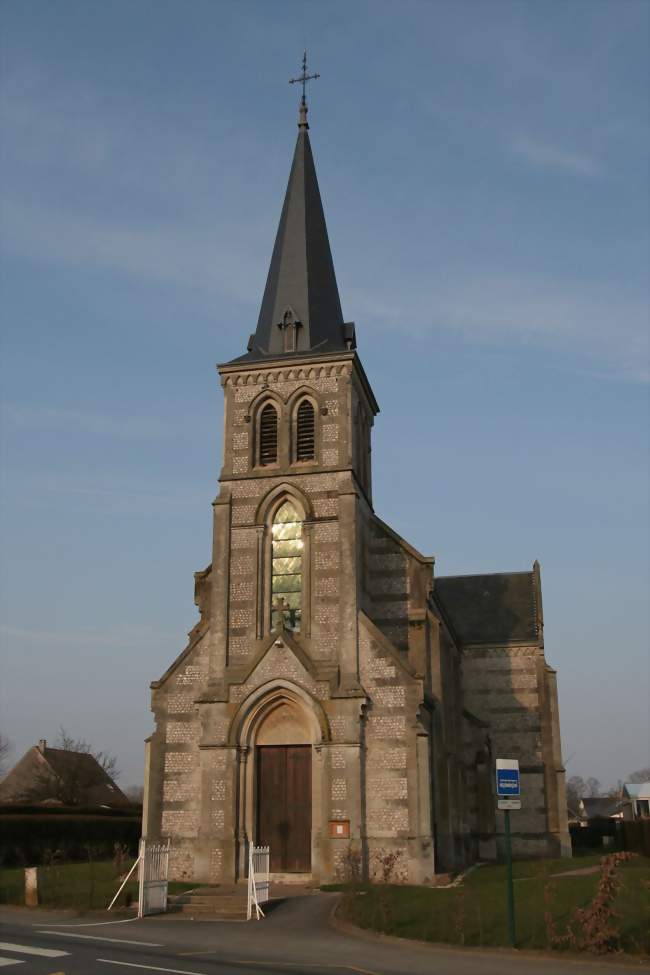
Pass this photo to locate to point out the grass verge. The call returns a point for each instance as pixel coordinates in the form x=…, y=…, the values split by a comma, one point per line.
x=80, y=886
x=474, y=913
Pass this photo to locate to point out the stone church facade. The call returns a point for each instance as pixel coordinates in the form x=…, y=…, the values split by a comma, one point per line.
x=336, y=699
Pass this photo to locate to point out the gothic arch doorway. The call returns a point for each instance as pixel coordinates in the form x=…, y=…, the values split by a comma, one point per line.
x=279, y=733
x=283, y=762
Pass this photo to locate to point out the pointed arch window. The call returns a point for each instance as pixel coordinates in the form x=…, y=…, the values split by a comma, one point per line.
x=286, y=568
x=305, y=431
x=268, y=435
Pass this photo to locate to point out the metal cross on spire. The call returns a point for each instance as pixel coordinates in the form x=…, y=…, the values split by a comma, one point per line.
x=303, y=79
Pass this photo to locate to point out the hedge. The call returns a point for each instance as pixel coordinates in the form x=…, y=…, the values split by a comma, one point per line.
x=17, y=809
x=31, y=839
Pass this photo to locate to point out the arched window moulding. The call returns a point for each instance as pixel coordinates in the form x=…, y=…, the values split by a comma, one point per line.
x=254, y=709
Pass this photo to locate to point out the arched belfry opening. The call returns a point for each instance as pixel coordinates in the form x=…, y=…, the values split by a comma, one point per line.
x=279, y=736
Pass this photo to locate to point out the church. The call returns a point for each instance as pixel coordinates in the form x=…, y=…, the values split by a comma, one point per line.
x=337, y=700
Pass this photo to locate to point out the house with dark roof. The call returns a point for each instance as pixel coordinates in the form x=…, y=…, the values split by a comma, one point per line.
x=46, y=775
x=638, y=798
x=603, y=807
x=337, y=697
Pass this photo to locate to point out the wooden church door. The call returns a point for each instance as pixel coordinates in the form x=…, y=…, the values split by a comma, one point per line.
x=284, y=806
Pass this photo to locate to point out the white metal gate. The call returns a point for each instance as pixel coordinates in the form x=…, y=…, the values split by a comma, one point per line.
x=154, y=864
x=258, y=880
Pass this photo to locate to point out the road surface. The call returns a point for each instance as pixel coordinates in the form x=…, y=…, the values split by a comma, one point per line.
x=295, y=937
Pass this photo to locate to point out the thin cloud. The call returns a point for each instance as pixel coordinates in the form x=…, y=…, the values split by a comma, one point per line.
x=102, y=495
x=596, y=325
x=48, y=418
x=165, y=253
x=124, y=636
x=61, y=139
x=215, y=254
x=55, y=127
x=544, y=155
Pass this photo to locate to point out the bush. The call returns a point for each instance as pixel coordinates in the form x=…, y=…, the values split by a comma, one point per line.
x=597, y=836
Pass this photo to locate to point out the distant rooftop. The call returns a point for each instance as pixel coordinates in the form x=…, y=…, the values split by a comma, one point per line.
x=638, y=790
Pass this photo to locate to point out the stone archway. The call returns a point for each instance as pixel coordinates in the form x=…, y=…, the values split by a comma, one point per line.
x=279, y=733
x=283, y=782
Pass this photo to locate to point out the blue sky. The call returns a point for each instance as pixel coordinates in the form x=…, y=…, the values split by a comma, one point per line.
x=483, y=169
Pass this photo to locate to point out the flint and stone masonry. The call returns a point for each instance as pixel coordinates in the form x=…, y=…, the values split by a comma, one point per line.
x=336, y=699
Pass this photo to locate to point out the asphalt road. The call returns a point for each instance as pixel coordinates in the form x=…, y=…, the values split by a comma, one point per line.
x=295, y=937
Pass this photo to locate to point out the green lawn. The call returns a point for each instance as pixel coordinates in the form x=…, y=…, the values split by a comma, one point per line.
x=82, y=886
x=475, y=913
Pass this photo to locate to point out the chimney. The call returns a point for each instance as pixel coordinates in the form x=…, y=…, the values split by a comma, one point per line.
x=42, y=745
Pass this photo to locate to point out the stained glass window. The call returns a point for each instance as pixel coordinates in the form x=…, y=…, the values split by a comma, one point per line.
x=286, y=568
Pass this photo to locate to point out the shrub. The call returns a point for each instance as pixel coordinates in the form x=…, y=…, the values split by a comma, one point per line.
x=594, y=926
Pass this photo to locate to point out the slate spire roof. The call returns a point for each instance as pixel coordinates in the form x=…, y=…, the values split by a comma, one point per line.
x=301, y=309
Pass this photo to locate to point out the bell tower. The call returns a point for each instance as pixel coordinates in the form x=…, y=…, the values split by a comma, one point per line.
x=298, y=417
x=296, y=717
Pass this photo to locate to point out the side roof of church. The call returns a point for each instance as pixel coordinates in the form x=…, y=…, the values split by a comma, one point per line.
x=497, y=608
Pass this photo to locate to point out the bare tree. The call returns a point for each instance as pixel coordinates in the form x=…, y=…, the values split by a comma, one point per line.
x=5, y=749
x=577, y=788
x=135, y=793
x=71, y=770
x=108, y=763
x=636, y=778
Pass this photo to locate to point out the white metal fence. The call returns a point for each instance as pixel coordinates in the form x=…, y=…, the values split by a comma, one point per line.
x=154, y=865
x=258, y=880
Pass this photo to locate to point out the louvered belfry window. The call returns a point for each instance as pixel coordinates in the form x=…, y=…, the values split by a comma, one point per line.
x=268, y=435
x=305, y=431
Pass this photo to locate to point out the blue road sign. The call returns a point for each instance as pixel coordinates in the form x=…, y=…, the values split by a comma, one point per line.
x=508, y=782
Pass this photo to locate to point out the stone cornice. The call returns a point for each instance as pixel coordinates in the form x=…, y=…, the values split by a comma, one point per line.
x=296, y=368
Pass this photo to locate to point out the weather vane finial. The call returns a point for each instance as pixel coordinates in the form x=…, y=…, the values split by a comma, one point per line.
x=303, y=79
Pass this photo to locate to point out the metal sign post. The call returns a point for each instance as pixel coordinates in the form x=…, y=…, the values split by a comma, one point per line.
x=508, y=792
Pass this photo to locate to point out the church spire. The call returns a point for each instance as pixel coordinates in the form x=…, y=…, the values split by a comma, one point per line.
x=301, y=309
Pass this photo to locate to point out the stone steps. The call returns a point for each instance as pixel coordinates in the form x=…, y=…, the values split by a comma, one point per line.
x=226, y=904
x=217, y=911
x=230, y=901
